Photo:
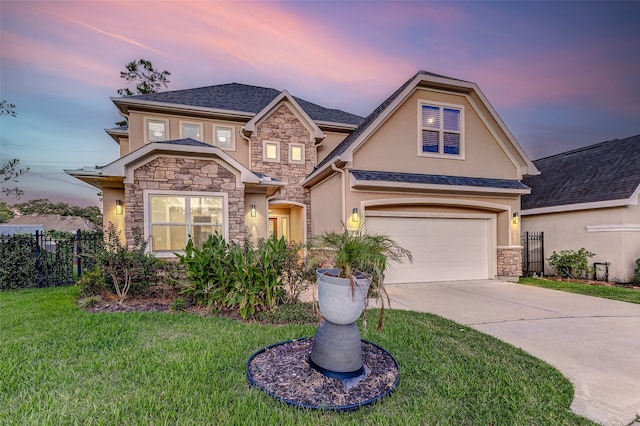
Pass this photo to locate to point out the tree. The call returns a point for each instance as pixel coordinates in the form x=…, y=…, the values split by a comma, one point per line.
x=5, y=212
x=147, y=79
x=44, y=206
x=9, y=172
x=7, y=108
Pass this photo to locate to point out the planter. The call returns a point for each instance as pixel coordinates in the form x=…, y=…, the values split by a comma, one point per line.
x=337, y=348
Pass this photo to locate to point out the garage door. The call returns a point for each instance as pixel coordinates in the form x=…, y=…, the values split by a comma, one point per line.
x=443, y=249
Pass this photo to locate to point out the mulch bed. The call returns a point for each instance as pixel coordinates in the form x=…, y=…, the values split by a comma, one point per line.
x=283, y=371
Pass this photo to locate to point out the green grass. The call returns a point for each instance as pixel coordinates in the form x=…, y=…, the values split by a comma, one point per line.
x=61, y=365
x=615, y=293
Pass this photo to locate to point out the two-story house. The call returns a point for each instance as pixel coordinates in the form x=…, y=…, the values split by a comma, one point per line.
x=433, y=166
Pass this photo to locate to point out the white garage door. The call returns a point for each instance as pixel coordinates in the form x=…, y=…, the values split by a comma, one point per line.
x=443, y=249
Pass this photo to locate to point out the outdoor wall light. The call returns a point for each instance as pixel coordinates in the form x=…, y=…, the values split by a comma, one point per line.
x=119, y=207
x=516, y=218
x=354, y=215
x=253, y=210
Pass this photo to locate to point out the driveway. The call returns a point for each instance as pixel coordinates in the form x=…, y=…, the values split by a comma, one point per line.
x=594, y=342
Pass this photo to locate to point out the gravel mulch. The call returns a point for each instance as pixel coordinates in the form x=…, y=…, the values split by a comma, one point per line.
x=283, y=371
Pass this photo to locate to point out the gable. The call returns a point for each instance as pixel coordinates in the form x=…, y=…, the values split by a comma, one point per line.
x=395, y=145
x=344, y=152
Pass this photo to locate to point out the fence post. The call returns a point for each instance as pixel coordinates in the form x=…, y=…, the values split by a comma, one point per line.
x=37, y=283
x=78, y=245
x=542, y=254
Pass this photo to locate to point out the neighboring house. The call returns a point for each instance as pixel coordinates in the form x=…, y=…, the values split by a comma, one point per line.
x=433, y=166
x=588, y=198
x=54, y=222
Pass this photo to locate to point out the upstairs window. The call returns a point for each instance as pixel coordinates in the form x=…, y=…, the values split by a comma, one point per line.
x=440, y=130
x=296, y=153
x=157, y=130
x=271, y=151
x=225, y=138
x=191, y=130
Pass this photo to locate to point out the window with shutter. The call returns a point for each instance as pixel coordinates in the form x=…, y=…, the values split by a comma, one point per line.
x=440, y=130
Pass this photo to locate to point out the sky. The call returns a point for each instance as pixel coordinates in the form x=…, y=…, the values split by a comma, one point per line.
x=561, y=75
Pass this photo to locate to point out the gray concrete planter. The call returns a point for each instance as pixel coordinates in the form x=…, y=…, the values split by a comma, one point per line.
x=337, y=348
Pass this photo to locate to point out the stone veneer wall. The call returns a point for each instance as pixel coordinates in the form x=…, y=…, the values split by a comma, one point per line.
x=183, y=174
x=283, y=126
x=509, y=262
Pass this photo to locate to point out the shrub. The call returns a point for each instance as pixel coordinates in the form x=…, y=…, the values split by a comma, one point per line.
x=636, y=276
x=127, y=269
x=178, y=305
x=243, y=277
x=92, y=282
x=571, y=263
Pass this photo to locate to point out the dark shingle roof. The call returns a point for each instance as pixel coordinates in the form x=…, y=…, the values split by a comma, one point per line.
x=186, y=141
x=437, y=179
x=243, y=98
x=605, y=171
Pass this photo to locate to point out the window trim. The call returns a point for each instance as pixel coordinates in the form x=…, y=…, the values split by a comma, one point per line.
x=264, y=151
x=232, y=146
x=147, y=193
x=441, y=131
x=146, y=129
x=290, y=150
x=193, y=123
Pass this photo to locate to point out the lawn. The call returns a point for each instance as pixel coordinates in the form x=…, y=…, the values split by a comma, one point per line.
x=61, y=365
x=615, y=293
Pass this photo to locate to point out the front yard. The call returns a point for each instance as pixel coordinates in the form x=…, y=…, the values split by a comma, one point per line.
x=62, y=365
x=597, y=289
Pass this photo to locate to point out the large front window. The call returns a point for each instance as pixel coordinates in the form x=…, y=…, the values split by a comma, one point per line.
x=173, y=218
x=440, y=130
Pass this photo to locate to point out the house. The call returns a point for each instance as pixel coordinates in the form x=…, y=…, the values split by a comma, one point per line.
x=588, y=198
x=53, y=222
x=433, y=166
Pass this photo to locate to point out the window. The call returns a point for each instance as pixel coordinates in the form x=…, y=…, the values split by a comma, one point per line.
x=440, y=130
x=296, y=153
x=271, y=151
x=191, y=130
x=172, y=218
x=225, y=137
x=157, y=130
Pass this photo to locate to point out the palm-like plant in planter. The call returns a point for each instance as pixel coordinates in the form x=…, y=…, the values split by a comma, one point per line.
x=360, y=260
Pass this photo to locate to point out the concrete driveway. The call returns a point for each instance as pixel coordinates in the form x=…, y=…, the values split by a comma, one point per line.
x=594, y=342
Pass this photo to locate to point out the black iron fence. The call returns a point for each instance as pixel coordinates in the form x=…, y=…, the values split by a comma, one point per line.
x=532, y=253
x=45, y=260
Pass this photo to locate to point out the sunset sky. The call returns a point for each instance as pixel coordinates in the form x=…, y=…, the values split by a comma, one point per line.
x=561, y=75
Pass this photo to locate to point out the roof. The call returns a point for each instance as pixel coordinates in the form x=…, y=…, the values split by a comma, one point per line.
x=368, y=175
x=54, y=222
x=601, y=172
x=242, y=98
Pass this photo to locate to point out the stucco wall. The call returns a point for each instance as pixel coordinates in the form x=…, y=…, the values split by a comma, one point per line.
x=137, y=132
x=327, y=205
x=569, y=231
x=109, y=216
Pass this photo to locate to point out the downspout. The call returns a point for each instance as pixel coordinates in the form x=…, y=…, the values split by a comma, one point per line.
x=344, y=194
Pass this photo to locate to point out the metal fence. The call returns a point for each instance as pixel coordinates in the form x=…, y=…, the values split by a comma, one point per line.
x=532, y=253
x=45, y=260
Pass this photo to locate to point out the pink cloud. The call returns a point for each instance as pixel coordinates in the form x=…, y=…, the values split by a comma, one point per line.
x=583, y=74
